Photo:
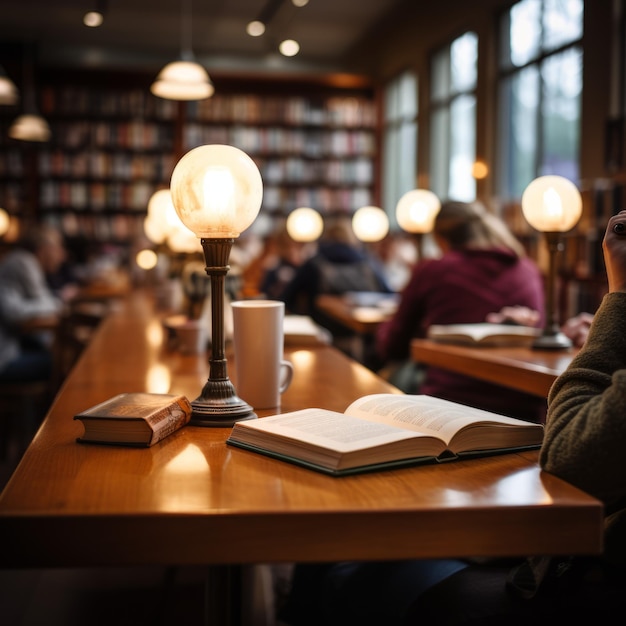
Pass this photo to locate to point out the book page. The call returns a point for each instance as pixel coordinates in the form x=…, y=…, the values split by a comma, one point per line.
x=486, y=333
x=424, y=414
x=327, y=429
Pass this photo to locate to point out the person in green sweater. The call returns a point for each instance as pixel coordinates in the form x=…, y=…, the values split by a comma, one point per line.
x=584, y=444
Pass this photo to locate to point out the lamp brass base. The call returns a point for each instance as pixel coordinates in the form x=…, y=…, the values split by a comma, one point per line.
x=219, y=405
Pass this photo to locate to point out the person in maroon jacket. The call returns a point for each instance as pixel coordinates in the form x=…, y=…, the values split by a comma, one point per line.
x=482, y=269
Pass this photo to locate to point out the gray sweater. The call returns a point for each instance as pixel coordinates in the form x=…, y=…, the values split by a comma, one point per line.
x=585, y=434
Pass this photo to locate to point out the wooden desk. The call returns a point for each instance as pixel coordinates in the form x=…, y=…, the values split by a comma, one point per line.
x=361, y=319
x=523, y=369
x=192, y=499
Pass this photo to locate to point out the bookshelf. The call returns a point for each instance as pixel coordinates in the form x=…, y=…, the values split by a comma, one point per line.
x=114, y=143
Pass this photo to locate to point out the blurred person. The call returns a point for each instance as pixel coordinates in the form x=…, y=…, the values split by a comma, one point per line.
x=482, y=268
x=339, y=266
x=24, y=296
x=283, y=257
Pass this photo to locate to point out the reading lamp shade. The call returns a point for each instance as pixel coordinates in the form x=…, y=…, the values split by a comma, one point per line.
x=552, y=204
x=30, y=127
x=304, y=225
x=416, y=211
x=216, y=190
x=183, y=80
x=370, y=224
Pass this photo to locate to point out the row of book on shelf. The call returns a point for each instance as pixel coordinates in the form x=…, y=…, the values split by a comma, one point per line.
x=101, y=164
x=316, y=143
x=127, y=166
x=75, y=100
x=351, y=111
x=132, y=135
x=119, y=228
x=135, y=196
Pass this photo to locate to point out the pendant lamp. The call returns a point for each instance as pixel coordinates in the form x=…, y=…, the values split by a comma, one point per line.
x=184, y=79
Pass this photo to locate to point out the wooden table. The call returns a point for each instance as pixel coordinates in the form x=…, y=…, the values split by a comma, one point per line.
x=523, y=369
x=191, y=499
x=361, y=319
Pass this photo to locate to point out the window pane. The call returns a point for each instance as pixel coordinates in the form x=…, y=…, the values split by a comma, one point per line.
x=525, y=35
x=400, y=140
x=463, y=62
x=562, y=22
x=462, y=148
x=408, y=96
x=518, y=132
x=439, y=141
x=562, y=83
x=391, y=102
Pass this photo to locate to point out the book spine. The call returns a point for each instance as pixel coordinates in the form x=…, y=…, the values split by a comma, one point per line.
x=169, y=419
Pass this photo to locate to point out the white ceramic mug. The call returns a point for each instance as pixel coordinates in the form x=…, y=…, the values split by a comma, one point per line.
x=262, y=374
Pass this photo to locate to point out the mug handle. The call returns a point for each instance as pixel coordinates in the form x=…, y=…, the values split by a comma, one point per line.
x=286, y=374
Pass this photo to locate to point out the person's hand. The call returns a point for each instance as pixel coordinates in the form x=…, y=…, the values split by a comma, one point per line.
x=577, y=328
x=614, y=247
x=69, y=292
x=521, y=315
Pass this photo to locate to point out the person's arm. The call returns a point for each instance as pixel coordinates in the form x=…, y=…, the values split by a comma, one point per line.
x=585, y=435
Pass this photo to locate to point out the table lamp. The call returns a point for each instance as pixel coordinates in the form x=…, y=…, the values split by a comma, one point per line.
x=304, y=225
x=416, y=212
x=217, y=192
x=370, y=224
x=552, y=205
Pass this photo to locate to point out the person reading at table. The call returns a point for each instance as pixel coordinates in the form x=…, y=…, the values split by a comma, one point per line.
x=584, y=442
x=25, y=295
x=340, y=265
x=482, y=269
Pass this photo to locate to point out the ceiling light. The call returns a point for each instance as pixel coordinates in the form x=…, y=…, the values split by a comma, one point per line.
x=255, y=28
x=8, y=91
x=289, y=47
x=299, y=3
x=29, y=126
x=95, y=17
x=184, y=79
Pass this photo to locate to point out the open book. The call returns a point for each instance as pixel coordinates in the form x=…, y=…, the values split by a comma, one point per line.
x=484, y=334
x=384, y=430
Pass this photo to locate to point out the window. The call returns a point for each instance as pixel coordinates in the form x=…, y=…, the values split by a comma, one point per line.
x=540, y=89
x=400, y=140
x=453, y=119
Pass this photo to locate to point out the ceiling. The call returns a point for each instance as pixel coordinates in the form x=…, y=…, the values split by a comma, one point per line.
x=149, y=33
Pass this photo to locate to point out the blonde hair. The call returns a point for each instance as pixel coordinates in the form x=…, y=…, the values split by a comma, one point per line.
x=470, y=225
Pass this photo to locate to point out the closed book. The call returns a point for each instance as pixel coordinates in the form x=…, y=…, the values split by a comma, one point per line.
x=134, y=419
